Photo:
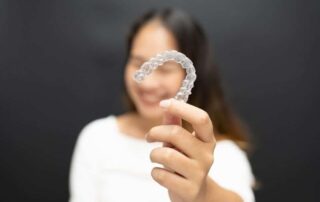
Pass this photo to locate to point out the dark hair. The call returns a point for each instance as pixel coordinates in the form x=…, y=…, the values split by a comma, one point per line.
x=207, y=93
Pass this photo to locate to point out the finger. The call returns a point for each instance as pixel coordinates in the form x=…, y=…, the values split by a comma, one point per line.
x=169, y=119
x=171, y=181
x=174, y=160
x=179, y=138
x=198, y=118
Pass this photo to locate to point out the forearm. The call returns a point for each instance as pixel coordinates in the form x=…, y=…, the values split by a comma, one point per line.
x=216, y=193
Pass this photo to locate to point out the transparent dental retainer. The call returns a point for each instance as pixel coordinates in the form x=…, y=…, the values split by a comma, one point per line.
x=170, y=55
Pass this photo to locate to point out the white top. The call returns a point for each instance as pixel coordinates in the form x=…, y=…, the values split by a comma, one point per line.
x=109, y=166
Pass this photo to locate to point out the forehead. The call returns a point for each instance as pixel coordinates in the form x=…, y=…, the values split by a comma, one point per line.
x=151, y=39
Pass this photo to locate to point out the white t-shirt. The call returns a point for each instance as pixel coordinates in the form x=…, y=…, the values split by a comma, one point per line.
x=109, y=166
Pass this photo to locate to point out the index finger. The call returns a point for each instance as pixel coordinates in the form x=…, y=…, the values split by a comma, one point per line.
x=198, y=118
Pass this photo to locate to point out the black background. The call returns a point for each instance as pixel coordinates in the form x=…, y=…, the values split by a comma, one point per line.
x=61, y=65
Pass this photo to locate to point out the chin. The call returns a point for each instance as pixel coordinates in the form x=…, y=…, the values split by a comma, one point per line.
x=150, y=113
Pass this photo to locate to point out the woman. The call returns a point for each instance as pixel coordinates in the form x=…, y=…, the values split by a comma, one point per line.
x=163, y=149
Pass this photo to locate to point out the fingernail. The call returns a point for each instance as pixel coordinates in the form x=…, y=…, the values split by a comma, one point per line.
x=165, y=103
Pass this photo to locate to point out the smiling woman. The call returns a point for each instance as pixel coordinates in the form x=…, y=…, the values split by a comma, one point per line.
x=162, y=149
x=164, y=82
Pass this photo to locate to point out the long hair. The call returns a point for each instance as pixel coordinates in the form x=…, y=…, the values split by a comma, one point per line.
x=207, y=93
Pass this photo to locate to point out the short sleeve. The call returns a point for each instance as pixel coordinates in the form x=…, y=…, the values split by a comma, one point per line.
x=231, y=170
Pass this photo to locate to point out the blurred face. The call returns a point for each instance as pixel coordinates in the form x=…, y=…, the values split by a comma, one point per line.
x=162, y=83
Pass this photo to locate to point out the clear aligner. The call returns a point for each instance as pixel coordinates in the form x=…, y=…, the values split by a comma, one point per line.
x=172, y=55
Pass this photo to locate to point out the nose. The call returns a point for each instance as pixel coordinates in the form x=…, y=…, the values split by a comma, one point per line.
x=152, y=81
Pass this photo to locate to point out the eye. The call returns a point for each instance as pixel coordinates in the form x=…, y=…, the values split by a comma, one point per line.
x=136, y=61
x=169, y=67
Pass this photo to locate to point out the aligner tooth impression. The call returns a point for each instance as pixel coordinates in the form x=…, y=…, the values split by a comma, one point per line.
x=171, y=55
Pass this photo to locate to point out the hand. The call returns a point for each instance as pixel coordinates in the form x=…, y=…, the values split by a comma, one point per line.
x=189, y=159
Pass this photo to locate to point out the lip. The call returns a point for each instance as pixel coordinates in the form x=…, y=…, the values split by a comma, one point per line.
x=146, y=101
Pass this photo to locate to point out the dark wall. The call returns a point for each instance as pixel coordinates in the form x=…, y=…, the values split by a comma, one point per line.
x=61, y=65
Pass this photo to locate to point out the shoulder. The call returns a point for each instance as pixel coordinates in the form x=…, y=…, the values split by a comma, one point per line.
x=228, y=148
x=229, y=157
x=99, y=125
x=97, y=131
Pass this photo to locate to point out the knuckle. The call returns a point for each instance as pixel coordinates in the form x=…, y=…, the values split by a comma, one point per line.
x=203, y=118
x=202, y=172
x=209, y=160
x=157, y=174
x=152, y=155
x=168, y=154
x=175, y=130
x=193, y=190
x=202, y=175
x=203, y=167
x=213, y=146
x=152, y=131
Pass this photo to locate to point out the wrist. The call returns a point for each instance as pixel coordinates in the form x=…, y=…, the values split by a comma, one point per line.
x=215, y=193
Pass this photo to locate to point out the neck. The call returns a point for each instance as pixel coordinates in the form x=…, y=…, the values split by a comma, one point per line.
x=133, y=124
x=145, y=123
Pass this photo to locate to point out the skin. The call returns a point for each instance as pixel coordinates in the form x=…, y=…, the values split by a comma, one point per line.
x=186, y=157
